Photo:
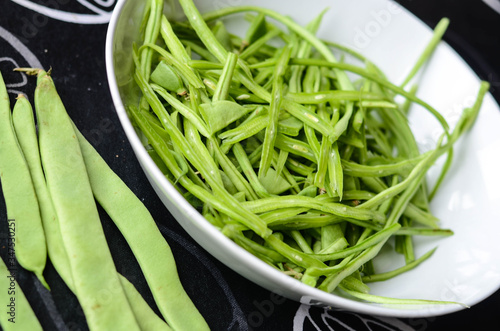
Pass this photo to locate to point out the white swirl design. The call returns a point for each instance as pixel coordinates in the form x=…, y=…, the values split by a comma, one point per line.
x=99, y=15
x=29, y=57
x=334, y=319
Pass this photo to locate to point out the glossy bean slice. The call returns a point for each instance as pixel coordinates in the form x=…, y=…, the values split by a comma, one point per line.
x=24, y=318
x=187, y=73
x=256, y=45
x=393, y=273
x=90, y=260
x=249, y=172
x=267, y=204
x=152, y=31
x=19, y=192
x=380, y=236
x=334, y=95
x=383, y=170
x=136, y=223
x=439, y=31
x=233, y=173
x=187, y=112
x=274, y=110
x=395, y=301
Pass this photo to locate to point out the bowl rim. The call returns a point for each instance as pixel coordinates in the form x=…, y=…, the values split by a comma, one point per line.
x=310, y=295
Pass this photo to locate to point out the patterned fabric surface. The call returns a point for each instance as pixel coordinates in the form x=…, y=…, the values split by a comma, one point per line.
x=69, y=37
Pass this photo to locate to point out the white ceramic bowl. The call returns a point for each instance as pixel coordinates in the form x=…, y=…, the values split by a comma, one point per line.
x=466, y=266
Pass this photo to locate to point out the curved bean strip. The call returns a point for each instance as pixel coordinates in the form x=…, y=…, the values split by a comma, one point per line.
x=380, y=236
x=187, y=73
x=151, y=34
x=439, y=31
x=393, y=273
x=383, y=170
x=466, y=121
x=247, y=169
x=267, y=204
x=274, y=110
x=420, y=168
x=395, y=301
x=173, y=43
x=19, y=193
x=334, y=95
x=184, y=110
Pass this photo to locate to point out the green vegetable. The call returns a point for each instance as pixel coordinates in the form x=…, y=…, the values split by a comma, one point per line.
x=24, y=125
x=19, y=192
x=154, y=255
x=93, y=272
x=305, y=168
x=23, y=317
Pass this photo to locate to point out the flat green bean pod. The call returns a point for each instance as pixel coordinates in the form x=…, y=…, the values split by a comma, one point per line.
x=92, y=268
x=19, y=192
x=25, y=128
x=136, y=223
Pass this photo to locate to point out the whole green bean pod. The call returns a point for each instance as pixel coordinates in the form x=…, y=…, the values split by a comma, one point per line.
x=94, y=273
x=19, y=194
x=24, y=126
x=136, y=223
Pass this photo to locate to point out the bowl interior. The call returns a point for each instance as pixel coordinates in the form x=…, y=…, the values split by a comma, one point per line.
x=464, y=268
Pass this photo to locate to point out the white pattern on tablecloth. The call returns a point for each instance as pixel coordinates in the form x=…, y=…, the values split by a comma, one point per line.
x=98, y=15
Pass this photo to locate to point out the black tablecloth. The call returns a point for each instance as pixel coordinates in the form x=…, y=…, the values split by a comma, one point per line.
x=69, y=36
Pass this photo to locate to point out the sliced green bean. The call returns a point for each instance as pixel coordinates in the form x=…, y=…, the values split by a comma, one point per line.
x=439, y=31
x=395, y=301
x=274, y=110
x=263, y=205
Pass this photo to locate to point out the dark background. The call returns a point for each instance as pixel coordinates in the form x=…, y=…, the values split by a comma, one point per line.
x=228, y=301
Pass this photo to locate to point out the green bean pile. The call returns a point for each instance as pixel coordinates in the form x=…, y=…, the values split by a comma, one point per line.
x=51, y=178
x=271, y=138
